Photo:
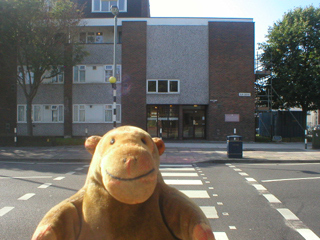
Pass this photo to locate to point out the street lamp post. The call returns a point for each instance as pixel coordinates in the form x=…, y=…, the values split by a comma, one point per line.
x=113, y=79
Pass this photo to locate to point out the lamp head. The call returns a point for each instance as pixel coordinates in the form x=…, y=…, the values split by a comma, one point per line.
x=115, y=10
x=112, y=79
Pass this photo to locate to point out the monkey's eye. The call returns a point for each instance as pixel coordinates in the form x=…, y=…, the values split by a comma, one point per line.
x=143, y=141
x=112, y=141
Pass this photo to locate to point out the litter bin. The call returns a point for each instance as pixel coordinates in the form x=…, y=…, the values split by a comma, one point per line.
x=234, y=146
x=316, y=139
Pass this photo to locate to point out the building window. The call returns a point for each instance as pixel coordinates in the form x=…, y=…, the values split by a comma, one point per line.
x=57, y=113
x=79, y=113
x=163, y=86
x=36, y=113
x=25, y=75
x=41, y=113
x=79, y=74
x=109, y=71
x=109, y=113
x=59, y=78
x=104, y=5
x=22, y=113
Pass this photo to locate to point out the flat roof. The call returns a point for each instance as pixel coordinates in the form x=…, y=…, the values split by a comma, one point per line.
x=178, y=21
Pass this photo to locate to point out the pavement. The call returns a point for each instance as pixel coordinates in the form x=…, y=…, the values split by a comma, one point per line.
x=178, y=152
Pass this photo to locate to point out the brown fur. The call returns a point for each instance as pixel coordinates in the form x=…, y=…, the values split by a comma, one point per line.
x=125, y=197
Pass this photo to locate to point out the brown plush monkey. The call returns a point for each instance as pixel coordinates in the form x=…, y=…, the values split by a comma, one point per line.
x=125, y=197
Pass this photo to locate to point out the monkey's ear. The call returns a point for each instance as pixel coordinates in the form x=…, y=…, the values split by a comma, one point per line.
x=91, y=143
x=160, y=145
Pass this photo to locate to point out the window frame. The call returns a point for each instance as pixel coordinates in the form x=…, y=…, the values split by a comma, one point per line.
x=77, y=79
x=169, y=81
x=125, y=6
x=118, y=72
x=109, y=107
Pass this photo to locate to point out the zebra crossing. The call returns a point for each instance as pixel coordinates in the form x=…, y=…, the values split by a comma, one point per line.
x=190, y=180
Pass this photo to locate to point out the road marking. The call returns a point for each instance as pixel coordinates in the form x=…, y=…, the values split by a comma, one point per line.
x=176, y=165
x=307, y=234
x=220, y=236
x=209, y=211
x=176, y=169
x=58, y=178
x=45, y=185
x=237, y=169
x=5, y=210
x=287, y=214
x=220, y=203
x=27, y=196
x=175, y=174
x=271, y=198
x=259, y=187
x=250, y=179
x=243, y=174
x=232, y=227
x=290, y=179
x=183, y=182
x=196, y=193
x=70, y=173
x=79, y=169
x=29, y=177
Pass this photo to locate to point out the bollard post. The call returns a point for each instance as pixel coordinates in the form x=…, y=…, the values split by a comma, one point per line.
x=160, y=133
x=305, y=139
x=15, y=137
x=86, y=131
x=234, y=131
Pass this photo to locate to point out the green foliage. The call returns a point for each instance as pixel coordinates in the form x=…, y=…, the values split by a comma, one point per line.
x=38, y=35
x=292, y=53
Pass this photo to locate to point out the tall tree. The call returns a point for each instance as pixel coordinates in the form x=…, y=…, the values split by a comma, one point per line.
x=40, y=35
x=292, y=53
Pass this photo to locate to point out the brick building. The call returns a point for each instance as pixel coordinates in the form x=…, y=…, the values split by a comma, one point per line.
x=191, y=78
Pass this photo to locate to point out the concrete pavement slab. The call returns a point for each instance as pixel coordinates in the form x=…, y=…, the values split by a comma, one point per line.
x=178, y=152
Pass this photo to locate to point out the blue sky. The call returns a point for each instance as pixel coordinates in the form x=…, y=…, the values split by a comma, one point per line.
x=263, y=12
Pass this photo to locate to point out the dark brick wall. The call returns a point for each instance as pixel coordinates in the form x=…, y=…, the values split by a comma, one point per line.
x=135, y=8
x=134, y=71
x=231, y=71
x=8, y=92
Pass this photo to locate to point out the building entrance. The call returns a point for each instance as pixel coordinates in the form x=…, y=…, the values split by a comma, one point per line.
x=194, y=122
x=176, y=121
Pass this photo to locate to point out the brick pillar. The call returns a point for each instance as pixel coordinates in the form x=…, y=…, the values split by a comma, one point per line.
x=231, y=71
x=134, y=74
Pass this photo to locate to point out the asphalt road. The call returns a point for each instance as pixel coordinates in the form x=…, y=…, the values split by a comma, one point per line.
x=242, y=201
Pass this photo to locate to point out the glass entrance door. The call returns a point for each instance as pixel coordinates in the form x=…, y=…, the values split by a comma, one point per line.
x=194, y=123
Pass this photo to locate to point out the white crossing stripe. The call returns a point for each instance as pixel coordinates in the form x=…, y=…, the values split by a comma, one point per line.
x=175, y=174
x=70, y=173
x=28, y=177
x=27, y=196
x=45, y=185
x=259, y=187
x=183, y=182
x=58, y=178
x=176, y=165
x=220, y=236
x=209, y=211
x=177, y=169
x=243, y=174
x=250, y=179
x=79, y=169
x=287, y=214
x=5, y=210
x=307, y=234
x=196, y=193
x=271, y=198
